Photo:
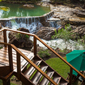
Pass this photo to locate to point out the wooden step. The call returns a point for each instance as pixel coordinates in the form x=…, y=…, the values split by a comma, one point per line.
x=24, y=62
x=56, y=75
x=63, y=84
x=38, y=75
x=46, y=81
x=31, y=70
x=57, y=80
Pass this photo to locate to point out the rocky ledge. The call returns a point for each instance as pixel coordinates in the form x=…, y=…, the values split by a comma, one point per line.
x=74, y=16
x=20, y=40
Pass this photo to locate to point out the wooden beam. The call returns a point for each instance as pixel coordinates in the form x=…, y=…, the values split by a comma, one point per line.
x=10, y=57
x=35, y=46
x=70, y=79
x=18, y=65
x=25, y=81
x=28, y=60
x=4, y=70
x=5, y=37
x=6, y=82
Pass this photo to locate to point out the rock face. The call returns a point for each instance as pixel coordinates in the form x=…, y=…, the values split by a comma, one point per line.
x=69, y=15
x=20, y=40
x=46, y=33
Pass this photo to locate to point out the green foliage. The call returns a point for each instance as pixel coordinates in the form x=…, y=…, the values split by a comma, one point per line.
x=27, y=36
x=65, y=51
x=22, y=36
x=64, y=33
x=43, y=53
x=0, y=47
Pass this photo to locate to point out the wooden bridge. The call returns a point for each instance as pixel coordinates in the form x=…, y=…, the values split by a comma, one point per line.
x=28, y=67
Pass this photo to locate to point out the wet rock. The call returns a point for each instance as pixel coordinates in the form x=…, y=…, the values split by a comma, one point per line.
x=80, y=13
x=20, y=40
x=45, y=4
x=80, y=31
x=76, y=21
x=28, y=5
x=46, y=33
x=39, y=3
x=23, y=29
x=69, y=15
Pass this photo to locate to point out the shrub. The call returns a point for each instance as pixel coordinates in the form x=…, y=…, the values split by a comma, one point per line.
x=64, y=33
x=43, y=53
x=22, y=36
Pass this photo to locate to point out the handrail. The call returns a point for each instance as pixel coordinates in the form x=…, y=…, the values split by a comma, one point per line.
x=47, y=47
x=28, y=60
x=33, y=64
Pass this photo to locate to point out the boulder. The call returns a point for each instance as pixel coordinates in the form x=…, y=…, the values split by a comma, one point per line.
x=28, y=5
x=76, y=21
x=20, y=40
x=80, y=13
x=45, y=4
x=46, y=33
x=80, y=31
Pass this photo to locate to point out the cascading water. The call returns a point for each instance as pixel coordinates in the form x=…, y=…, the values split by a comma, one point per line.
x=32, y=24
x=54, y=24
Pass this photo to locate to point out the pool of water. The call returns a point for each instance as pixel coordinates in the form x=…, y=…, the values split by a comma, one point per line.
x=17, y=10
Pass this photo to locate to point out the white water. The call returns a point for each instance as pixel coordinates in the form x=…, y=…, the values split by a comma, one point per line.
x=60, y=43
x=34, y=26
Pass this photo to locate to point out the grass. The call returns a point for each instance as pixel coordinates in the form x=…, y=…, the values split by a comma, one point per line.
x=1, y=47
x=59, y=66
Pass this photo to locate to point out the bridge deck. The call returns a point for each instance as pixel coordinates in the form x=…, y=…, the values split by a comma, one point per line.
x=4, y=60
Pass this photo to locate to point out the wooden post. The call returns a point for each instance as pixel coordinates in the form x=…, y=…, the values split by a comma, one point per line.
x=6, y=82
x=5, y=37
x=10, y=57
x=18, y=65
x=35, y=46
x=70, y=79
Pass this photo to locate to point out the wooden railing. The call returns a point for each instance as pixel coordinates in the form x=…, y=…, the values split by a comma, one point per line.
x=35, y=53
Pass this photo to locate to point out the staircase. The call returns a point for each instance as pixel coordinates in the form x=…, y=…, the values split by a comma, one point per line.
x=38, y=79
x=28, y=67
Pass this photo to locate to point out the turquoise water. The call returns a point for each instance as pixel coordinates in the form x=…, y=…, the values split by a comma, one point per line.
x=19, y=11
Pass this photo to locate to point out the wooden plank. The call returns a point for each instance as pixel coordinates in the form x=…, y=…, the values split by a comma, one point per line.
x=4, y=60
x=5, y=37
x=10, y=57
x=18, y=65
x=4, y=70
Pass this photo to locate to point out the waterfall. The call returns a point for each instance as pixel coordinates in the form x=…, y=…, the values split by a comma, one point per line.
x=32, y=24
x=54, y=24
